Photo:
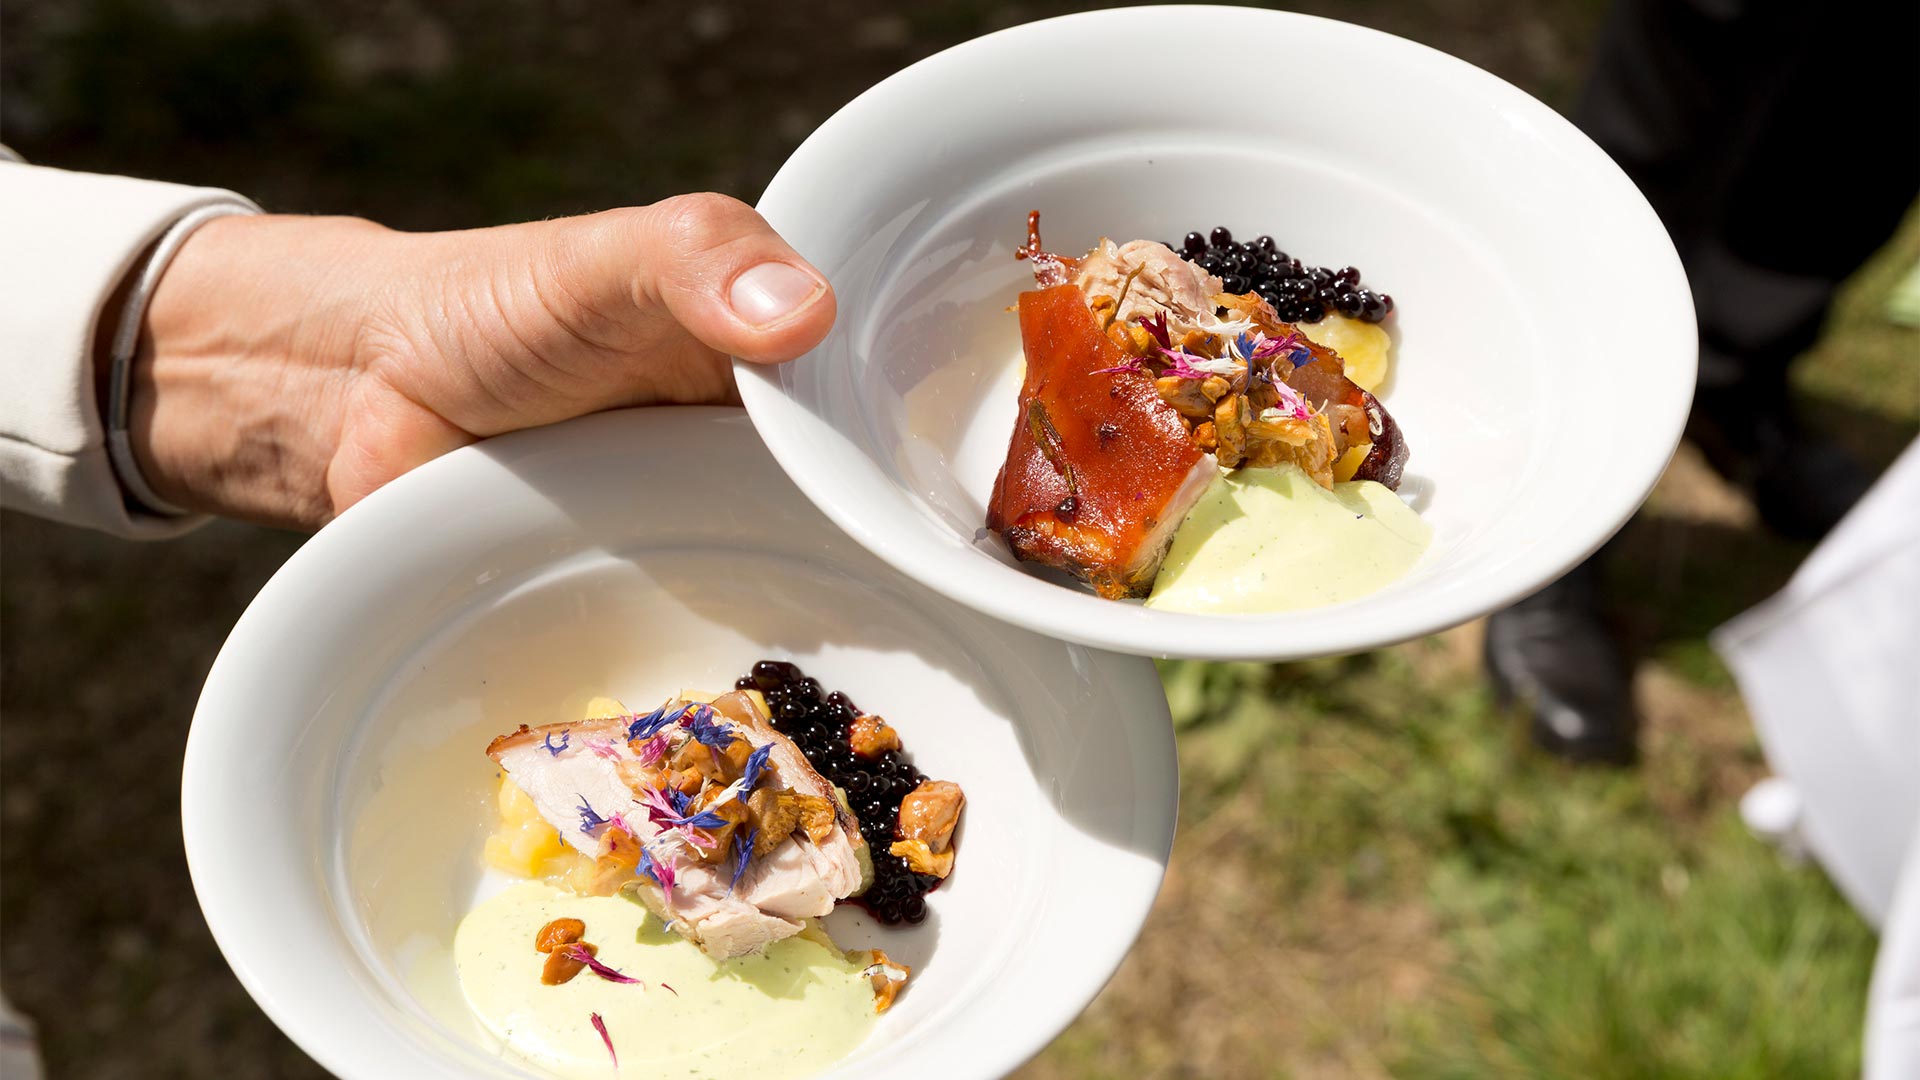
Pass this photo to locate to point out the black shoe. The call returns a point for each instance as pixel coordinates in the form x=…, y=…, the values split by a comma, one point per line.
x=1551, y=655
x=1802, y=484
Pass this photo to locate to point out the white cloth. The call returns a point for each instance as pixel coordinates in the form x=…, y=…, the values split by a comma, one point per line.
x=1830, y=669
x=67, y=240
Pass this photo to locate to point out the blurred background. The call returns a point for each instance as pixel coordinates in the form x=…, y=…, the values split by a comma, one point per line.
x=1375, y=874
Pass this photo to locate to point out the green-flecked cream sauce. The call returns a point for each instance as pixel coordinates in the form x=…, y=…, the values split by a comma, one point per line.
x=1267, y=540
x=794, y=1010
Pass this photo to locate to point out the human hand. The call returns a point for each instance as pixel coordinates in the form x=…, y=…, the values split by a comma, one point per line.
x=289, y=366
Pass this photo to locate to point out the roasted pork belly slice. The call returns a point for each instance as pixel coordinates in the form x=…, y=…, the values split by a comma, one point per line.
x=1100, y=471
x=584, y=775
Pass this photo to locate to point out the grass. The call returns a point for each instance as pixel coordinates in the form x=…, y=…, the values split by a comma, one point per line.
x=1376, y=876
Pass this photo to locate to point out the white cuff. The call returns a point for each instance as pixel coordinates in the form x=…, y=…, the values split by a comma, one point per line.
x=70, y=239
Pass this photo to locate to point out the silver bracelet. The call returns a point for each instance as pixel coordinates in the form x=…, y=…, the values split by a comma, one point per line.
x=126, y=342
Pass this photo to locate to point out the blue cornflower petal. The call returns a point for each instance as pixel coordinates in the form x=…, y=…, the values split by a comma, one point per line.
x=565, y=738
x=653, y=723
x=705, y=819
x=756, y=764
x=590, y=821
x=709, y=731
x=742, y=854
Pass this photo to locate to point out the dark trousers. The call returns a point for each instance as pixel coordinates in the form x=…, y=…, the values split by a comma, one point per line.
x=1780, y=144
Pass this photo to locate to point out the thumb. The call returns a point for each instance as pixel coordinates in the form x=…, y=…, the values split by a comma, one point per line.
x=712, y=265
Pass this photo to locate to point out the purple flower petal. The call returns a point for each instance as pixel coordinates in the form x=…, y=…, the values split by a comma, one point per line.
x=566, y=736
x=1185, y=365
x=660, y=872
x=1157, y=326
x=593, y=963
x=600, y=1026
x=653, y=750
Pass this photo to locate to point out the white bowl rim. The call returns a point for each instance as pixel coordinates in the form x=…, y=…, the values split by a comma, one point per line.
x=324, y=1031
x=1076, y=615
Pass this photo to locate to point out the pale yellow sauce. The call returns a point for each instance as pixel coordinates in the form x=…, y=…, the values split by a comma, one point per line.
x=792, y=1011
x=1267, y=540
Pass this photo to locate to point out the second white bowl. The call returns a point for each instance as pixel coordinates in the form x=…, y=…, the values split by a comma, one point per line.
x=1545, y=342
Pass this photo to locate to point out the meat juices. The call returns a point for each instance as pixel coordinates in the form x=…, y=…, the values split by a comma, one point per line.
x=1100, y=470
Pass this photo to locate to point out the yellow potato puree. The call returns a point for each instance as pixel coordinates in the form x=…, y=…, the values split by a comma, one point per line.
x=792, y=1011
x=1267, y=540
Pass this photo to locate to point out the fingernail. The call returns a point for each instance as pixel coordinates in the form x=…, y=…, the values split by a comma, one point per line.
x=772, y=291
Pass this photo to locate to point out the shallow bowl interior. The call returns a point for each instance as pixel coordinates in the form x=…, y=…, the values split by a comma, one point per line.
x=1544, y=343
x=336, y=795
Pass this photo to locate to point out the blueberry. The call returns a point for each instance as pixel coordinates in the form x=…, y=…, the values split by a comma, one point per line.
x=1220, y=236
x=1264, y=243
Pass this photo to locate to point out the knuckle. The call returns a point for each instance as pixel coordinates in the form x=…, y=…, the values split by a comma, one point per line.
x=701, y=222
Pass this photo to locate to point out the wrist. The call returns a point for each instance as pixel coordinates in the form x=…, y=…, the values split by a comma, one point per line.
x=246, y=354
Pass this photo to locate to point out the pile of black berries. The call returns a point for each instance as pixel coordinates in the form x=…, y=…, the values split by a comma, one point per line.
x=817, y=724
x=1299, y=294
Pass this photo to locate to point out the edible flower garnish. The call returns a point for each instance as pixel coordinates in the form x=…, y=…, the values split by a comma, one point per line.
x=1300, y=357
x=1131, y=363
x=653, y=750
x=1185, y=365
x=565, y=738
x=705, y=819
x=590, y=822
x=668, y=808
x=710, y=732
x=1260, y=347
x=604, y=748
x=742, y=854
x=660, y=871
x=669, y=989
x=600, y=1026
x=1156, y=325
x=576, y=952
x=652, y=723
x=1292, y=406
x=756, y=764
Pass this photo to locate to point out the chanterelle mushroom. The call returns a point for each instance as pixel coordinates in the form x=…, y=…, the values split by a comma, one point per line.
x=928, y=816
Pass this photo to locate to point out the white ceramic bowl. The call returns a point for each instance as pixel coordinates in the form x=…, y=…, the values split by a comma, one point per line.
x=336, y=793
x=1545, y=342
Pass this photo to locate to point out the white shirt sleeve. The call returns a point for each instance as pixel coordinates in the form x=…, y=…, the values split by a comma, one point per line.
x=67, y=240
